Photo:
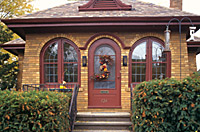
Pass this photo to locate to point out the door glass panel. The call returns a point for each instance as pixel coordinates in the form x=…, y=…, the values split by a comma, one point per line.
x=138, y=72
x=71, y=72
x=139, y=53
x=104, y=50
x=159, y=70
x=107, y=83
x=50, y=73
x=157, y=52
x=70, y=54
x=51, y=53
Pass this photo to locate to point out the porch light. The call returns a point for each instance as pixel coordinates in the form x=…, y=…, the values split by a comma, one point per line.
x=167, y=39
x=84, y=61
x=124, y=60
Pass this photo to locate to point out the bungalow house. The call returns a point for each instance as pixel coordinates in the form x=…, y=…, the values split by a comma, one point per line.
x=105, y=46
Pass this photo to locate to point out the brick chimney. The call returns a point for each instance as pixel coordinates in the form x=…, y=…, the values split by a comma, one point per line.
x=176, y=4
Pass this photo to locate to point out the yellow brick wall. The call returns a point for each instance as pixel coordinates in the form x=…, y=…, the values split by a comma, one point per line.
x=35, y=42
x=192, y=62
x=175, y=55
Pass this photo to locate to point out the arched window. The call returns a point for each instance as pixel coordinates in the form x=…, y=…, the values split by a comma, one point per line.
x=60, y=62
x=149, y=61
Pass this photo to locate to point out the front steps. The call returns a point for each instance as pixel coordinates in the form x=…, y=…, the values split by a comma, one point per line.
x=102, y=122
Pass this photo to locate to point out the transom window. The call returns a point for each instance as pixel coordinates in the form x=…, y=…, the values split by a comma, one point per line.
x=148, y=61
x=60, y=60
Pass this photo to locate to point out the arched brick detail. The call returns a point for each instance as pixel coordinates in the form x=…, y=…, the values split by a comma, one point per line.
x=104, y=35
x=145, y=35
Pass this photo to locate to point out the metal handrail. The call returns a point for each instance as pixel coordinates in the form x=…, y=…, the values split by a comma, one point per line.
x=73, y=107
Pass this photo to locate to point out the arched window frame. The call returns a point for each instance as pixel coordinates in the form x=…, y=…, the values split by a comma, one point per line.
x=60, y=59
x=149, y=62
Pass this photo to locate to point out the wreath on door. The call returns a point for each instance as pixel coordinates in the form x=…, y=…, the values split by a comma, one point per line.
x=104, y=61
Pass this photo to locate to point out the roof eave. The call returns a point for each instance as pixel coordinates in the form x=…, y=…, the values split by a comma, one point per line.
x=96, y=19
x=19, y=25
x=14, y=48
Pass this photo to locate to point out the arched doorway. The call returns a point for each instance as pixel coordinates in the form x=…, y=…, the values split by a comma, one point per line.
x=104, y=83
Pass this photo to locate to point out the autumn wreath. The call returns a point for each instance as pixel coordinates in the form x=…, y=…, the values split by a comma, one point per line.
x=104, y=61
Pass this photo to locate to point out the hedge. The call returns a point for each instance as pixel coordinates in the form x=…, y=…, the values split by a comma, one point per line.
x=167, y=105
x=34, y=111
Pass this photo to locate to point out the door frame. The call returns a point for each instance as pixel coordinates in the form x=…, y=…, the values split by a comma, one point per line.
x=91, y=51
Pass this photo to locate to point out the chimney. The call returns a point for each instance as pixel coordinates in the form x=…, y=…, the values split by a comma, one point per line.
x=176, y=4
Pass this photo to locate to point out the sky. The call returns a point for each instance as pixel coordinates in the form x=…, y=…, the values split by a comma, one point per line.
x=191, y=6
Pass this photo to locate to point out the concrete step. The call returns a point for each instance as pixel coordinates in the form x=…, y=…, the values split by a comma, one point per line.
x=103, y=116
x=103, y=122
x=103, y=125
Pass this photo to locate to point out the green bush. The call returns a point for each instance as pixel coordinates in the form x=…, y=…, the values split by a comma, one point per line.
x=167, y=105
x=8, y=72
x=34, y=111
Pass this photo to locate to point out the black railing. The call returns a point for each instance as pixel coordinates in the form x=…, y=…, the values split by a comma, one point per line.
x=49, y=87
x=60, y=88
x=73, y=107
x=131, y=96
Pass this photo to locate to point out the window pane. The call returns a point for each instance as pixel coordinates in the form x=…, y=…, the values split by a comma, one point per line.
x=159, y=70
x=71, y=72
x=50, y=73
x=138, y=72
x=139, y=53
x=70, y=54
x=104, y=50
x=51, y=53
x=157, y=52
x=108, y=83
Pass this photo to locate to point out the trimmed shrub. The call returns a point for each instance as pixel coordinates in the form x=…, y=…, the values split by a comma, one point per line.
x=34, y=111
x=167, y=106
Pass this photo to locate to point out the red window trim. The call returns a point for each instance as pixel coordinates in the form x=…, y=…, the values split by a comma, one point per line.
x=60, y=40
x=148, y=62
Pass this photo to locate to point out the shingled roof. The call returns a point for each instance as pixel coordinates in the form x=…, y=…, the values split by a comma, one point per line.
x=140, y=9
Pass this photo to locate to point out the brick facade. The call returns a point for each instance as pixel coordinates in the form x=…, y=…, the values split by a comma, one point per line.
x=35, y=42
x=192, y=61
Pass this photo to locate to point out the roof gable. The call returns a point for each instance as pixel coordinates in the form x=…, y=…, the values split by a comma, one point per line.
x=95, y=5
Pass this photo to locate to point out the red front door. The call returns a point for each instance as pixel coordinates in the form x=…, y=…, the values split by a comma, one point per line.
x=104, y=74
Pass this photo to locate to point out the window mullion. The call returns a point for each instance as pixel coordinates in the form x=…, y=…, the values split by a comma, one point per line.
x=150, y=60
x=60, y=61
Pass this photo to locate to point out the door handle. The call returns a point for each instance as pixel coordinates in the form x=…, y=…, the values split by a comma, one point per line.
x=118, y=77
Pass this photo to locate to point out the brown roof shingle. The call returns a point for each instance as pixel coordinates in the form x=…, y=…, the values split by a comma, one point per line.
x=140, y=9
